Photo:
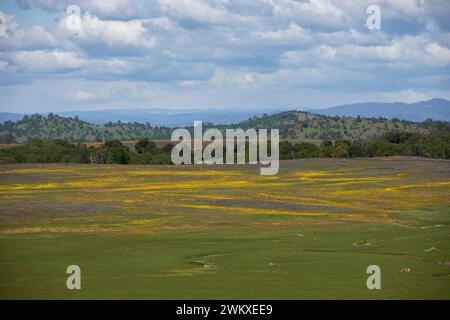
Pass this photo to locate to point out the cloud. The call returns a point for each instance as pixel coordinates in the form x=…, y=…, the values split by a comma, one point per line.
x=7, y=25
x=55, y=62
x=440, y=55
x=3, y=65
x=110, y=34
x=31, y=38
x=190, y=11
x=23, y=4
x=220, y=50
x=293, y=34
x=111, y=9
x=407, y=96
x=315, y=14
x=310, y=57
x=81, y=95
x=46, y=61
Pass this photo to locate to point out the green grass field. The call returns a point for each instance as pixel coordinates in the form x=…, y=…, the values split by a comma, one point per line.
x=225, y=232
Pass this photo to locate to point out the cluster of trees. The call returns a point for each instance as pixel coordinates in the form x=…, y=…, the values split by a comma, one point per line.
x=433, y=145
x=40, y=151
x=37, y=150
x=149, y=152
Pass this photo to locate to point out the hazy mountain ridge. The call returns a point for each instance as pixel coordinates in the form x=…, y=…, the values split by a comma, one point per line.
x=436, y=109
x=9, y=116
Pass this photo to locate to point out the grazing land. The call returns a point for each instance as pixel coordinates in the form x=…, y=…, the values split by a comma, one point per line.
x=225, y=232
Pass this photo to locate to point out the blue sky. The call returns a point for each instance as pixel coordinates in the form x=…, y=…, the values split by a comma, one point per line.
x=198, y=54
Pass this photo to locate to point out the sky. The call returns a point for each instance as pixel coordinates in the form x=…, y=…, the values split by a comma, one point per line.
x=218, y=54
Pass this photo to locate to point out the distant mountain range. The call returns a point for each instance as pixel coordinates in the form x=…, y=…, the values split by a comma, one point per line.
x=436, y=109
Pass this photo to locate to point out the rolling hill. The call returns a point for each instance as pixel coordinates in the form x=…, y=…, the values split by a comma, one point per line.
x=301, y=125
x=294, y=125
x=75, y=130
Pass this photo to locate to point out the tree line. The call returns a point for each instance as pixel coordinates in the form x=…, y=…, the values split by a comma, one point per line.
x=395, y=143
x=37, y=150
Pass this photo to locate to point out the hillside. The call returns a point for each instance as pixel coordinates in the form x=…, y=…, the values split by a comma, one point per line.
x=300, y=125
x=294, y=125
x=436, y=109
x=75, y=130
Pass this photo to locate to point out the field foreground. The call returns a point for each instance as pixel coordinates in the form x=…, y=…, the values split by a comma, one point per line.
x=225, y=232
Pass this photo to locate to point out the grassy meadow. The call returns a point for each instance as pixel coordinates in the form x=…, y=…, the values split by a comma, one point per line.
x=226, y=232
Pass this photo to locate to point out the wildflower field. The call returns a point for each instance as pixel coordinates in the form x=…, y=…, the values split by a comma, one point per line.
x=226, y=232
